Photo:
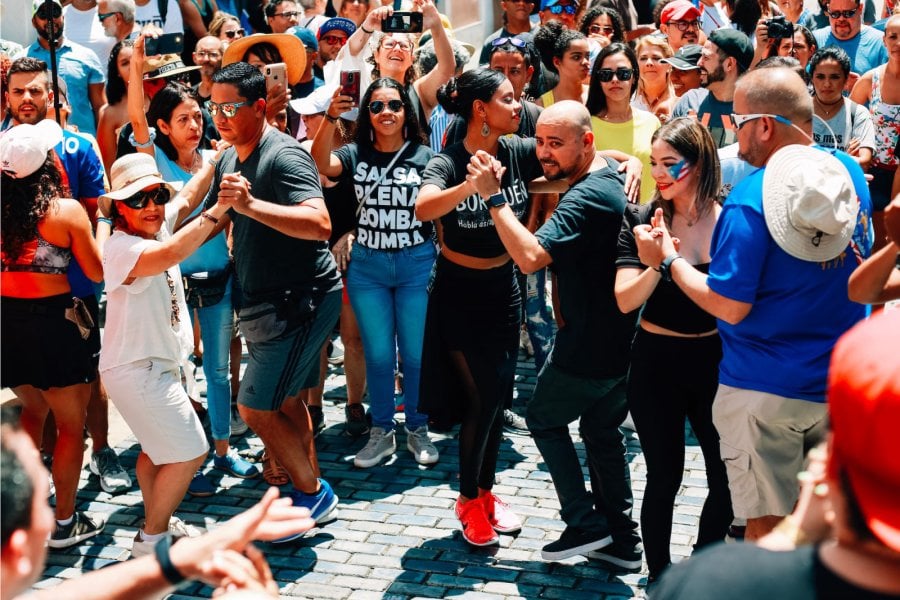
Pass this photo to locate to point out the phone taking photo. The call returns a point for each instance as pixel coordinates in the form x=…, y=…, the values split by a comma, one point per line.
x=350, y=85
x=402, y=22
x=275, y=73
x=167, y=43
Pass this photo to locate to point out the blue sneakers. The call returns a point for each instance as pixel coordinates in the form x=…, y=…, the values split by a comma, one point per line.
x=201, y=486
x=234, y=464
x=322, y=507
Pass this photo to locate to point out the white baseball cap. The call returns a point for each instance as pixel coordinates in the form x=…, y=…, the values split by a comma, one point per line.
x=24, y=148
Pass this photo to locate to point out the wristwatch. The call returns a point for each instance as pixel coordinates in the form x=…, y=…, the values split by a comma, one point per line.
x=495, y=200
x=666, y=264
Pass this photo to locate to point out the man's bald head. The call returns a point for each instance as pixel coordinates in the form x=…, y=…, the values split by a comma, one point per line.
x=565, y=142
x=778, y=91
x=567, y=113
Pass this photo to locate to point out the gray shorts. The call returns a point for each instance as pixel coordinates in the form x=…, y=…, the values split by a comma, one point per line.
x=764, y=439
x=283, y=366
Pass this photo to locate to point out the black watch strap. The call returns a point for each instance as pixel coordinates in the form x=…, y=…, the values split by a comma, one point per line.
x=172, y=574
x=495, y=200
x=665, y=267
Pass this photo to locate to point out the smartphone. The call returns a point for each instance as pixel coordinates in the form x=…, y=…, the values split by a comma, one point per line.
x=167, y=43
x=275, y=73
x=350, y=85
x=402, y=22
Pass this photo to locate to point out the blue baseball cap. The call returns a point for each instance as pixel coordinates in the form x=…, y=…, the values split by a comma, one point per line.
x=306, y=36
x=339, y=24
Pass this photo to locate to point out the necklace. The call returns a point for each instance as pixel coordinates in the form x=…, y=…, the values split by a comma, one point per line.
x=193, y=166
x=834, y=105
x=626, y=116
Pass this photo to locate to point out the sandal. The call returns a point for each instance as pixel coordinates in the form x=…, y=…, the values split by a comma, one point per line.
x=273, y=473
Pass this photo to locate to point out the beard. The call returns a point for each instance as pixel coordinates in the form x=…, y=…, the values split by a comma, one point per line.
x=715, y=76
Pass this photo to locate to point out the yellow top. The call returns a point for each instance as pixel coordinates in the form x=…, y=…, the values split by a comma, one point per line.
x=631, y=137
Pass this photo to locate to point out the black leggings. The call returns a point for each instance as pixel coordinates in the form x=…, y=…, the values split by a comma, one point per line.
x=672, y=378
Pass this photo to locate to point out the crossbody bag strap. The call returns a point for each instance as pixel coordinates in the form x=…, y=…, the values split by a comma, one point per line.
x=369, y=190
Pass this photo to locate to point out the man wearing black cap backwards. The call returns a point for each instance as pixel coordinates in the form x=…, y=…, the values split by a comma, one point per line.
x=726, y=54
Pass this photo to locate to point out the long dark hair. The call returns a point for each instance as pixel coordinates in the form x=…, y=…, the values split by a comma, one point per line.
x=596, y=101
x=162, y=106
x=458, y=94
x=693, y=142
x=412, y=130
x=116, y=88
x=25, y=203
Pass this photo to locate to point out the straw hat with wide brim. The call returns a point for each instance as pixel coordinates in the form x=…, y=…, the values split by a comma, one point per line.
x=165, y=65
x=129, y=175
x=809, y=203
x=291, y=49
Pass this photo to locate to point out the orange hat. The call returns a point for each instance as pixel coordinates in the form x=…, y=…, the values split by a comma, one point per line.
x=864, y=402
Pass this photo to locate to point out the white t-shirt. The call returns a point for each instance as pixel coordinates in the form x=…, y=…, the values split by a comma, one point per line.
x=859, y=126
x=149, y=13
x=139, y=316
x=83, y=27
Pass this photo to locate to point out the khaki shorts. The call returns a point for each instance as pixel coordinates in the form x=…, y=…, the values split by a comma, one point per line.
x=764, y=439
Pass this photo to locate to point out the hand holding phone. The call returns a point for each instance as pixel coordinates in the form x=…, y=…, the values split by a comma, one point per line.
x=350, y=85
x=275, y=73
x=402, y=22
x=167, y=43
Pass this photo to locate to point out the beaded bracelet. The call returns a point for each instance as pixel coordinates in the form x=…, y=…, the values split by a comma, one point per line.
x=146, y=144
x=209, y=217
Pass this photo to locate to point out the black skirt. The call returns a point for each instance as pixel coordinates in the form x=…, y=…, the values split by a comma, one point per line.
x=476, y=312
x=41, y=347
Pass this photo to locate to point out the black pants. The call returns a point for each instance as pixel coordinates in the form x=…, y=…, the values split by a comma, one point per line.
x=672, y=378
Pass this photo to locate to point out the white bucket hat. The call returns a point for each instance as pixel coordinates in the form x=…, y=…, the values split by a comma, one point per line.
x=132, y=173
x=24, y=148
x=809, y=203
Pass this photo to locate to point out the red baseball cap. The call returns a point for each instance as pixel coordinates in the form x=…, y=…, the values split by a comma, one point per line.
x=679, y=10
x=864, y=402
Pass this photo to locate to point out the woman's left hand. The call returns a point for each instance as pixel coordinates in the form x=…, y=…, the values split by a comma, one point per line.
x=853, y=147
x=430, y=16
x=485, y=173
x=633, y=168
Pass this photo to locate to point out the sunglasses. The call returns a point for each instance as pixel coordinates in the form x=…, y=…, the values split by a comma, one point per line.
x=55, y=10
x=622, y=74
x=517, y=42
x=104, y=16
x=604, y=29
x=334, y=39
x=229, y=109
x=159, y=196
x=291, y=14
x=234, y=33
x=847, y=14
x=741, y=120
x=376, y=106
x=558, y=9
x=685, y=25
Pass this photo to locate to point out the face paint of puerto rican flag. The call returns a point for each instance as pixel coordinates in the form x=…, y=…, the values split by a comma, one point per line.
x=679, y=170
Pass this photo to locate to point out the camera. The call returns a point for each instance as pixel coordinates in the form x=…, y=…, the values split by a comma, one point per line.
x=402, y=22
x=779, y=28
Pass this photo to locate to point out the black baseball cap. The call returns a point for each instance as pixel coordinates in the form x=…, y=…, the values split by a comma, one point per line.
x=686, y=58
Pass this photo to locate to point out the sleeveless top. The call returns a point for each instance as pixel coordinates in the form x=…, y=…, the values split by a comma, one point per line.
x=886, y=119
x=39, y=256
x=547, y=98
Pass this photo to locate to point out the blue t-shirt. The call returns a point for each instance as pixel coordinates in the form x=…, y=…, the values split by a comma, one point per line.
x=79, y=67
x=83, y=172
x=866, y=50
x=800, y=308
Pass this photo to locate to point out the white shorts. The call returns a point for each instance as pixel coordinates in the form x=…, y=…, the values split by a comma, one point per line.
x=149, y=396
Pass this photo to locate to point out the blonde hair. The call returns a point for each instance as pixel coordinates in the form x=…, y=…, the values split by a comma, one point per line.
x=663, y=46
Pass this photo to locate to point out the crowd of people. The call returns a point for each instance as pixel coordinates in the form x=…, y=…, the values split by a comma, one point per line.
x=702, y=191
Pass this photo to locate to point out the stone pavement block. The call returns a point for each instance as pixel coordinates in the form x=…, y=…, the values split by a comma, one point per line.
x=412, y=589
x=315, y=591
x=361, y=583
x=455, y=581
x=490, y=574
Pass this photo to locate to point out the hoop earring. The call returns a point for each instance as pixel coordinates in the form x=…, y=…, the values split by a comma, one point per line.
x=485, y=130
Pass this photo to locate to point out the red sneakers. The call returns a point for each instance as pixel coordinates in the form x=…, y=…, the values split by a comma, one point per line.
x=501, y=518
x=476, y=528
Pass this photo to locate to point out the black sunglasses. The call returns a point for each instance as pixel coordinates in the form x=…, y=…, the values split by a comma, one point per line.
x=517, y=42
x=622, y=74
x=55, y=10
x=231, y=34
x=847, y=14
x=376, y=106
x=159, y=196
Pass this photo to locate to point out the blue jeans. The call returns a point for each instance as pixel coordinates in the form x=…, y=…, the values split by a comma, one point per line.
x=388, y=292
x=538, y=320
x=216, y=326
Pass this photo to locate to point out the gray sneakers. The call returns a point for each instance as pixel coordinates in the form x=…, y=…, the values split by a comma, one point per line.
x=113, y=478
x=423, y=450
x=381, y=444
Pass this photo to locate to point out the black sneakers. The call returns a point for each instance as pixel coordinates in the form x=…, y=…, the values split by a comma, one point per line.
x=574, y=542
x=81, y=528
x=620, y=557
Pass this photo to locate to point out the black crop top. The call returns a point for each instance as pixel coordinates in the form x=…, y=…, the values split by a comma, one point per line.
x=469, y=228
x=667, y=306
x=39, y=256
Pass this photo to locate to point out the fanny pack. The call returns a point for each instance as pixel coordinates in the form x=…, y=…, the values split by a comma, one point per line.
x=201, y=289
x=278, y=315
x=81, y=316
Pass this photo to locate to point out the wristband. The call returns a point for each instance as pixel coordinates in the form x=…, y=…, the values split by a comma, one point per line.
x=104, y=220
x=368, y=31
x=169, y=571
x=213, y=162
x=209, y=217
x=330, y=119
x=147, y=144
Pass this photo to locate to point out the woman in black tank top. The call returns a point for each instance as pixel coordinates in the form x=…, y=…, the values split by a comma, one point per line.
x=676, y=351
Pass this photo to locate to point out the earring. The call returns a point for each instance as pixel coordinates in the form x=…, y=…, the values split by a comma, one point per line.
x=485, y=130
x=405, y=131
x=372, y=135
